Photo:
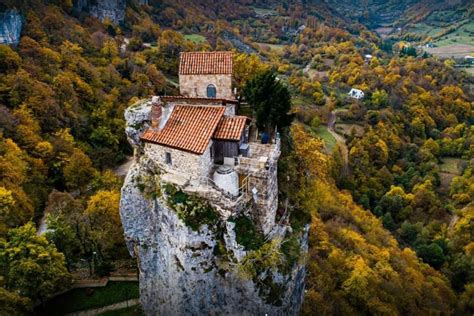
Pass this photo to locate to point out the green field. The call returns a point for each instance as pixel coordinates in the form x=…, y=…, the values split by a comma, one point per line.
x=469, y=70
x=425, y=29
x=263, y=12
x=195, y=38
x=272, y=47
x=89, y=298
x=329, y=140
x=451, y=165
x=460, y=35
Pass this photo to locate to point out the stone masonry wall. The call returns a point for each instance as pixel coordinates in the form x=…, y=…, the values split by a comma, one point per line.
x=266, y=184
x=196, y=85
x=181, y=161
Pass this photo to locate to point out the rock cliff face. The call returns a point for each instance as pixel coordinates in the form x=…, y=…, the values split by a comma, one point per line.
x=197, y=266
x=10, y=27
x=113, y=10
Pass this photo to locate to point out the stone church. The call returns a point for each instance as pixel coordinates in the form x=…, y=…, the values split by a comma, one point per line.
x=195, y=136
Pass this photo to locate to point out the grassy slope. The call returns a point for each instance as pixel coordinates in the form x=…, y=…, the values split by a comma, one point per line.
x=195, y=38
x=328, y=139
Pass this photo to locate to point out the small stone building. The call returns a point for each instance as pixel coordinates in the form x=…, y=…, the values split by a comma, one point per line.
x=206, y=75
x=191, y=138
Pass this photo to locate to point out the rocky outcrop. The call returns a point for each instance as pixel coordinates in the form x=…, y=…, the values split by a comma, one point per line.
x=112, y=10
x=198, y=268
x=11, y=24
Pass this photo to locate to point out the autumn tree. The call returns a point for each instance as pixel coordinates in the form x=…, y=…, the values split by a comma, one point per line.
x=78, y=171
x=12, y=303
x=103, y=216
x=246, y=67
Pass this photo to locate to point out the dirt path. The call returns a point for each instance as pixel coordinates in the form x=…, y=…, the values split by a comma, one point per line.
x=453, y=222
x=341, y=141
x=122, y=170
x=113, y=307
x=42, y=228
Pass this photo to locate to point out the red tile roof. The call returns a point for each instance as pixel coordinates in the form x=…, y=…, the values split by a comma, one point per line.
x=188, y=128
x=198, y=99
x=206, y=63
x=230, y=128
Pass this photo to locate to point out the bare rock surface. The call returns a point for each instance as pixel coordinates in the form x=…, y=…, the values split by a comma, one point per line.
x=193, y=272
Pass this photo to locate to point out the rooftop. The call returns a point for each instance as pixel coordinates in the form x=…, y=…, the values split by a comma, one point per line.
x=200, y=100
x=230, y=128
x=206, y=63
x=189, y=128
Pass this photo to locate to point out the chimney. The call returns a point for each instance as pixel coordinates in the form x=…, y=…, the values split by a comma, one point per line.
x=156, y=112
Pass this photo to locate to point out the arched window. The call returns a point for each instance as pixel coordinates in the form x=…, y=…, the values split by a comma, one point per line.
x=211, y=91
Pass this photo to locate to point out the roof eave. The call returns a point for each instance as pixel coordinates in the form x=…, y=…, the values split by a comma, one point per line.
x=199, y=153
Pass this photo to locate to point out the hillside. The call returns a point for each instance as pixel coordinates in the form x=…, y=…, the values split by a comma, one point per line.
x=384, y=182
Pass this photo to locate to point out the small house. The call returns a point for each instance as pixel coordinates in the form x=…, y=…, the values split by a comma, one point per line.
x=356, y=94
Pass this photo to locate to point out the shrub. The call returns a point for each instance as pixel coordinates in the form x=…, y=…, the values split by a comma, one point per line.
x=247, y=234
x=191, y=209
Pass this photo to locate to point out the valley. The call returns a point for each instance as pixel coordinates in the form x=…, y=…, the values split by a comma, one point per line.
x=373, y=190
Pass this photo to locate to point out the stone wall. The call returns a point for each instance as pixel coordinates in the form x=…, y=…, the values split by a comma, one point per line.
x=181, y=161
x=196, y=85
x=266, y=199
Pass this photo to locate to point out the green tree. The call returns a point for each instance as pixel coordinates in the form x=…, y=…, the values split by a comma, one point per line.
x=270, y=99
x=32, y=266
x=431, y=254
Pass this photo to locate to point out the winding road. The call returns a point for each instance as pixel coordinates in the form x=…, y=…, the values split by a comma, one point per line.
x=341, y=141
